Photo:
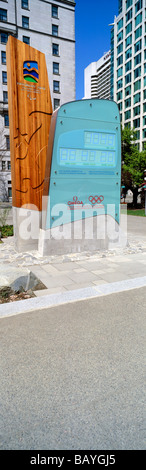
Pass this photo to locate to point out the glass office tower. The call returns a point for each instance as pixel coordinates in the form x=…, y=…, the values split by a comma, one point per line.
x=128, y=66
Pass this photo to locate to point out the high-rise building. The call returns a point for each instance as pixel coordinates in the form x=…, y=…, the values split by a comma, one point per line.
x=48, y=26
x=97, y=78
x=128, y=66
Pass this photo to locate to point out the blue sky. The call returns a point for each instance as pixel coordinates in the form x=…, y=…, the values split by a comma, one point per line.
x=92, y=18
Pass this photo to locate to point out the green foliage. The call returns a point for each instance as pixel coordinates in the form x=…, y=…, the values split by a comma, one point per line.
x=134, y=161
x=6, y=231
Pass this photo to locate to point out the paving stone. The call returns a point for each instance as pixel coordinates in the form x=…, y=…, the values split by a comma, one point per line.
x=100, y=281
x=68, y=266
x=53, y=290
x=115, y=276
x=81, y=285
x=82, y=277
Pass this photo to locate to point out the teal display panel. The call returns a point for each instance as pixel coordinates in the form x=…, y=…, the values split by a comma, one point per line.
x=85, y=160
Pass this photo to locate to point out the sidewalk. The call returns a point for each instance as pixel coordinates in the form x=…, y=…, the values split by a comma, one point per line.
x=104, y=271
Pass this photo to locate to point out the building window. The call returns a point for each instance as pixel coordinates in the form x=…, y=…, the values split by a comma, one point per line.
x=137, y=72
x=128, y=53
x=9, y=165
x=136, y=122
x=144, y=95
x=120, y=24
x=56, y=68
x=120, y=48
x=9, y=192
x=3, y=14
x=120, y=6
x=54, y=30
x=26, y=39
x=128, y=3
x=120, y=106
x=137, y=59
x=4, y=38
x=144, y=107
x=144, y=120
x=137, y=135
x=129, y=28
x=56, y=103
x=138, y=32
x=54, y=11
x=128, y=103
x=128, y=41
x=128, y=91
x=128, y=114
x=55, y=49
x=137, y=85
x=3, y=57
x=55, y=86
x=137, y=46
x=136, y=111
x=7, y=142
x=128, y=78
x=5, y=96
x=137, y=98
x=120, y=36
x=120, y=72
x=25, y=22
x=138, y=6
x=3, y=165
x=119, y=84
x=6, y=120
x=128, y=66
x=129, y=15
x=120, y=60
x=4, y=77
x=24, y=4
x=144, y=133
x=119, y=95
x=138, y=19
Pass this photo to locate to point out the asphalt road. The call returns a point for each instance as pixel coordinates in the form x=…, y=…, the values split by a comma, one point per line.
x=72, y=376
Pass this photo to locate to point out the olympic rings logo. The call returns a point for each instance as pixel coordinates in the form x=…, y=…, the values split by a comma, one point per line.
x=96, y=199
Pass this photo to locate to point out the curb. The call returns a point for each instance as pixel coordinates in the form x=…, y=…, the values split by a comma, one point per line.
x=53, y=300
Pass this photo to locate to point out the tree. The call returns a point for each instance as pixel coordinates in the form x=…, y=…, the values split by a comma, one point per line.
x=133, y=163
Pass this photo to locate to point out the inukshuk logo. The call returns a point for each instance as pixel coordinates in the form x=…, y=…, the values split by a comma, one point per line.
x=30, y=71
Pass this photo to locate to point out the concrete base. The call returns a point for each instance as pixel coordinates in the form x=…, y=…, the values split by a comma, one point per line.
x=92, y=234
x=26, y=223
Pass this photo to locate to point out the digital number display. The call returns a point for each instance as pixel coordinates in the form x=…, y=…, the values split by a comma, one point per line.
x=87, y=158
x=100, y=140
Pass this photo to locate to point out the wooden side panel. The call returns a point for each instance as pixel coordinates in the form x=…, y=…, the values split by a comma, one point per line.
x=30, y=111
x=49, y=154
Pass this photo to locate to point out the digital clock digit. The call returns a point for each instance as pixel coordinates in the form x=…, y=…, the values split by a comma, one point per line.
x=103, y=140
x=87, y=158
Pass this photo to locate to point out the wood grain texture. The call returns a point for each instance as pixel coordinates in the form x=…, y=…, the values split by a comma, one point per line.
x=50, y=153
x=30, y=111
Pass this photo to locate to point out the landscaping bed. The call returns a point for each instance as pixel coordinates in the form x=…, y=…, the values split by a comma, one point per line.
x=9, y=295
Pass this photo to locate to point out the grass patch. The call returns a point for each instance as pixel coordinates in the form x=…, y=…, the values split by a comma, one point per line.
x=6, y=231
x=140, y=212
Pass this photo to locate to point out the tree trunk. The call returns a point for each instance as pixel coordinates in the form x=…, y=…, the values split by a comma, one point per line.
x=135, y=195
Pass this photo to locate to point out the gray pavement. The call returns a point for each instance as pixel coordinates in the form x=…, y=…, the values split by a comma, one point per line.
x=72, y=376
x=72, y=363
x=76, y=276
